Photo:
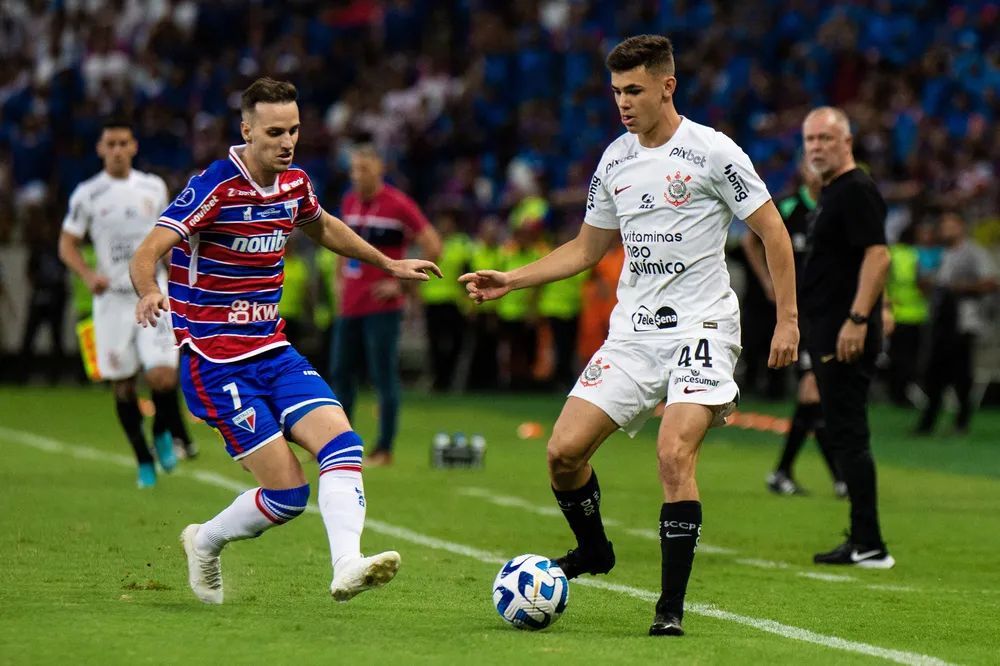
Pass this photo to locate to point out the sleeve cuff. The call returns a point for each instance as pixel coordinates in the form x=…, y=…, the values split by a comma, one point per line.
x=319, y=213
x=601, y=223
x=173, y=226
x=749, y=209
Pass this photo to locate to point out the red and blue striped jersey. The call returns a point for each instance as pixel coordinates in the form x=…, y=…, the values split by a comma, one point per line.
x=226, y=273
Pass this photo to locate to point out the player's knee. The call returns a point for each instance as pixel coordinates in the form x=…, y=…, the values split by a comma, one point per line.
x=281, y=506
x=125, y=390
x=162, y=379
x=676, y=460
x=565, y=455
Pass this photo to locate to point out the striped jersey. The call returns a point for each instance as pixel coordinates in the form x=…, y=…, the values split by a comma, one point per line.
x=226, y=273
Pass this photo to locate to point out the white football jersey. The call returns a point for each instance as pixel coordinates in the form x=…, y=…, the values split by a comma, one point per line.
x=118, y=213
x=673, y=205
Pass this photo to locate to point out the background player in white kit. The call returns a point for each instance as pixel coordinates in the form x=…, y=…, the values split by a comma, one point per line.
x=670, y=187
x=118, y=208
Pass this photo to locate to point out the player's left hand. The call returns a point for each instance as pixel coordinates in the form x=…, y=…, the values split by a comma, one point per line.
x=784, y=345
x=413, y=269
x=149, y=307
x=851, y=341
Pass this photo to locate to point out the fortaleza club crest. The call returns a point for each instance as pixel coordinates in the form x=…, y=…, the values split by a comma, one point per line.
x=592, y=373
x=247, y=419
x=677, y=193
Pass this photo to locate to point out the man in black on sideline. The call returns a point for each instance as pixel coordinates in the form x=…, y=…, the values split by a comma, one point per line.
x=840, y=300
x=797, y=212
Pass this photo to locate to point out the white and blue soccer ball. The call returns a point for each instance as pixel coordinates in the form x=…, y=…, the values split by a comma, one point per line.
x=530, y=592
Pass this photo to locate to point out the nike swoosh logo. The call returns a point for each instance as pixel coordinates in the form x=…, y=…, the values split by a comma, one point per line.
x=674, y=536
x=688, y=389
x=861, y=557
x=827, y=358
x=619, y=190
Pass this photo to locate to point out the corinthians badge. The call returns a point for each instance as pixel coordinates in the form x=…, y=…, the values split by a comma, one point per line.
x=677, y=193
x=592, y=373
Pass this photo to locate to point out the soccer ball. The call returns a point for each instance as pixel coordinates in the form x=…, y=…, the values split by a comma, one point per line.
x=530, y=592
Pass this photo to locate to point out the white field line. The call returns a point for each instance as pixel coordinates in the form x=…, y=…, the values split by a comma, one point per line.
x=828, y=577
x=770, y=626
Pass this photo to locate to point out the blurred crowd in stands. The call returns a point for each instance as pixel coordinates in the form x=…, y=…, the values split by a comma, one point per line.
x=492, y=116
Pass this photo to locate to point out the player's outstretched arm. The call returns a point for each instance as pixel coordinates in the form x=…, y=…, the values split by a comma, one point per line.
x=766, y=223
x=576, y=256
x=334, y=235
x=142, y=271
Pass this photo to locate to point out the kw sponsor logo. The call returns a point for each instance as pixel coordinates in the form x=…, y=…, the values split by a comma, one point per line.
x=272, y=242
x=203, y=209
x=244, y=312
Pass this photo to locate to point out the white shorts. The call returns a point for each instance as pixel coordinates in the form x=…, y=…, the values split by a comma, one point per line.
x=122, y=344
x=628, y=379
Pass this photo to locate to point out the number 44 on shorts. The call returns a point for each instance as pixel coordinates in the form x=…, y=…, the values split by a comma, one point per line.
x=701, y=353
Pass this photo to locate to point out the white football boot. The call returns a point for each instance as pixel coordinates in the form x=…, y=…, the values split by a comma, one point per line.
x=366, y=573
x=204, y=571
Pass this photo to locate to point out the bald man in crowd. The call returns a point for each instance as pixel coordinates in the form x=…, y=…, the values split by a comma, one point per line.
x=840, y=303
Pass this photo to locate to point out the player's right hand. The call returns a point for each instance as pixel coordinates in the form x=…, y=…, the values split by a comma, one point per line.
x=486, y=285
x=149, y=307
x=98, y=284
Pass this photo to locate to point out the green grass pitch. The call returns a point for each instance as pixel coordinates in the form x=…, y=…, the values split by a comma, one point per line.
x=91, y=571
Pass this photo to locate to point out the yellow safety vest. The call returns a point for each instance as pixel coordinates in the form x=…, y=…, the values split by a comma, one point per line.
x=515, y=305
x=455, y=254
x=909, y=305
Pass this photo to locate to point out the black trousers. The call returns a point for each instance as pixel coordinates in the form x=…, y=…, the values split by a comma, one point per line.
x=758, y=320
x=445, y=327
x=950, y=364
x=49, y=312
x=564, y=333
x=484, y=375
x=904, y=350
x=843, y=390
x=521, y=339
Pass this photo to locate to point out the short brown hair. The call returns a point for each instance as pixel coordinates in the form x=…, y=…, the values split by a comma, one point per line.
x=267, y=91
x=654, y=52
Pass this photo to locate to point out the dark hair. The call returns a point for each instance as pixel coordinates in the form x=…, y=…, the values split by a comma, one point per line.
x=267, y=91
x=363, y=143
x=654, y=52
x=117, y=122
